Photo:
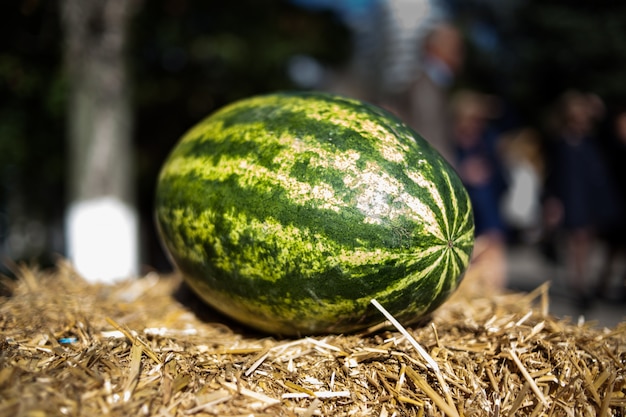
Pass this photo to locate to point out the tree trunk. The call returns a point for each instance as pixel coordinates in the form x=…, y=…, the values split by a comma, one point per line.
x=101, y=227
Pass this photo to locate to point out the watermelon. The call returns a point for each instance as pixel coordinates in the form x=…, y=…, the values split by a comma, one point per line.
x=289, y=212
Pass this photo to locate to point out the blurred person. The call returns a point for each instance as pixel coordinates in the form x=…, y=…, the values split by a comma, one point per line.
x=524, y=168
x=577, y=198
x=424, y=106
x=614, y=234
x=478, y=165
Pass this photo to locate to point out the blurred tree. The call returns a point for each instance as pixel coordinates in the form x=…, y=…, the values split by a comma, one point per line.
x=102, y=220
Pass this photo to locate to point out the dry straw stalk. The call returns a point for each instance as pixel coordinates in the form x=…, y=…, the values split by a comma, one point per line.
x=149, y=347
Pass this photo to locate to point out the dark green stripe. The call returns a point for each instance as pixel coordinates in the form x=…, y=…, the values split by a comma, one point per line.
x=346, y=227
x=280, y=121
x=333, y=281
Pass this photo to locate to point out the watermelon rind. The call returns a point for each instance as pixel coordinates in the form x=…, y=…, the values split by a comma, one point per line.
x=289, y=212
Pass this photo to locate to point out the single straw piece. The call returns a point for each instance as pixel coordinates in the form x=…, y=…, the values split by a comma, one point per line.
x=257, y=363
x=528, y=377
x=450, y=408
x=431, y=362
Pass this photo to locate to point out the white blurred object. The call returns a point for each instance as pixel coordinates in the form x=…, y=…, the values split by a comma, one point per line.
x=521, y=202
x=408, y=21
x=305, y=71
x=101, y=222
x=102, y=239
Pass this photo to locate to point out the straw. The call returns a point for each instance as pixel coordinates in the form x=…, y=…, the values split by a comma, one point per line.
x=149, y=347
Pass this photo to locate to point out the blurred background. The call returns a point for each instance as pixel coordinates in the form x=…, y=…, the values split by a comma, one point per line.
x=526, y=98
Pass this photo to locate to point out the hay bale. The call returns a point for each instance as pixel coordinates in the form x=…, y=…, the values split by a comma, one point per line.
x=149, y=347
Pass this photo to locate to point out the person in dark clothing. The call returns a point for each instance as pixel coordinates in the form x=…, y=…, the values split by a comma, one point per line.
x=479, y=168
x=577, y=194
x=614, y=233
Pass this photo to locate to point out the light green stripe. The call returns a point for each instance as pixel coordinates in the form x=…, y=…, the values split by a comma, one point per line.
x=297, y=244
x=377, y=189
x=450, y=223
x=427, y=215
x=386, y=142
x=416, y=277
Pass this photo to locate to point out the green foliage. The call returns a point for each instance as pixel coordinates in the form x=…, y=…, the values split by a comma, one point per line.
x=578, y=45
x=32, y=109
x=548, y=46
x=205, y=54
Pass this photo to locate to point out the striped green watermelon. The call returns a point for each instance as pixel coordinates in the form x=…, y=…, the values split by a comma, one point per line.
x=290, y=212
